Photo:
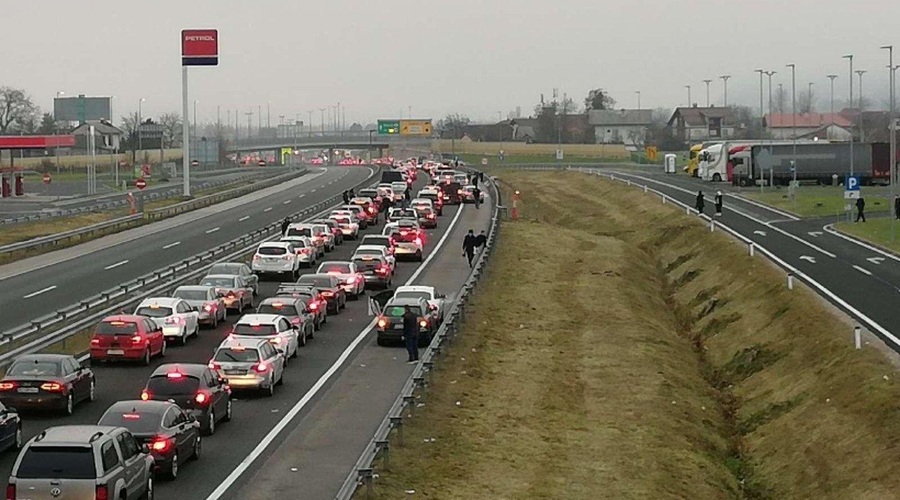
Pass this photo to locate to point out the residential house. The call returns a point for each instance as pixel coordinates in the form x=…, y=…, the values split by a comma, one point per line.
x=624, y=126
x=701, y=124
x=825, y=126
x=524, y=129
x=106, y=136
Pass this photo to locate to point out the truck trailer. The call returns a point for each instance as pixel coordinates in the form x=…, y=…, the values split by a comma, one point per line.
x=818, y=162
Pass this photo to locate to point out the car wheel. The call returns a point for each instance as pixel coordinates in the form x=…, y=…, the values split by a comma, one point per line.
x=92, y=392
x=215, y=321
x=162, y=350
x=148, y=492
x=281, y=378
x=301, y=342
x=146, y=360
x=270, y=391
x=198, y=447
x=70, y=404
x=173, y=469
x=227, y=417
x=17, y=445
x=325, y=316
x=183, y=339
x=211, y=423
x=380, y=341
x=197, y=329
x=310, y=333
x=419, y=255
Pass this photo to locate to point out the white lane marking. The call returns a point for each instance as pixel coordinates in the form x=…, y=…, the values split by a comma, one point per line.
x=292, y=413
x=876, y=260
x=301, y=196
x=268, y=209
x=829, y=228
x=312, y=191
x=739, y=212
x=117, y=264
x=286, y=202
x=210, y=231
x=35, y=294
x=171, y=245
x=764, y=207
x=242, y=219
x=811, y=260
x=814, y=234
x=761, y=233
x=862, y=270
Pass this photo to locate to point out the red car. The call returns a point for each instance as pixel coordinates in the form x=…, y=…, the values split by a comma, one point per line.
x=127, y=337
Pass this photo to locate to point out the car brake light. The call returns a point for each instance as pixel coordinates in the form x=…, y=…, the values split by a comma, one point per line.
x=230, y=295
x=52, y=387
x=327, y=294
x=423, y=323
x=313, y=306
x=201, y=398
x=288, y=257
x=418, y=241
x=305, y=251
x=175, y=321
x=214, y=366
x=260, y=367
x=145, y=395
x=295, y=320
x=382, y=323
x=101, y=492
x=10, y=492
x=351, y=280
x=160, y=445
x=7, y=386
x=137, y=339
x=95, y=341
x=459, y=192
x=208, y=307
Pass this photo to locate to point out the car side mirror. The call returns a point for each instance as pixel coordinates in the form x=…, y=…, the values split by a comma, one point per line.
x=145, y=448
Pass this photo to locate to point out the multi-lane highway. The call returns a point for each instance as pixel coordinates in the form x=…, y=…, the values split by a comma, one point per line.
x=326, y=360
x=41, y=284
x=860, y=279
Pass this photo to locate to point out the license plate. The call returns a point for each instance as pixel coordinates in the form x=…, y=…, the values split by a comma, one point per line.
x=115, y=352
x=28, y=390
x=234, y=372
x=398, y=327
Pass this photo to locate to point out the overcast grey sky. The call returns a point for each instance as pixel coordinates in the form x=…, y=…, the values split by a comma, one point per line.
x=474, y=57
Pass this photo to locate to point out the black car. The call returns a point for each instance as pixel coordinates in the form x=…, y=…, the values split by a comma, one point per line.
x=195, y=388
x=172, y=435
x=330, y=288
x=452, y=193
x=47, y=382
x=10, y=428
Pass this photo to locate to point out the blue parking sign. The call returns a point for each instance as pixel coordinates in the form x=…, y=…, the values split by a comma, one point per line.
x=851, y=183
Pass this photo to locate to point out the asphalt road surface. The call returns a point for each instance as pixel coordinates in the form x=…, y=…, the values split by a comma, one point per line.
x=254, y=416
x=36, y=286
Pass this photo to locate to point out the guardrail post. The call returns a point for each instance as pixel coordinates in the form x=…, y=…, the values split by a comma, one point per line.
x=790, y=281
x=687, y=211
x=752, y=246
x=385, y=447
x=712, y=225
x=664, y=199
x=645, y=189
x=397, y=423
x=367, y=480
x=857, y=337
x=420, y=385
x=410, y=403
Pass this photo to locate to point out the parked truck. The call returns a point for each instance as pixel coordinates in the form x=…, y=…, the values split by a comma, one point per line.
x=814, y=161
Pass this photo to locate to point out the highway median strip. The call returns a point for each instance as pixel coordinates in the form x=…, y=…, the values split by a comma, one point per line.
x=640, y=355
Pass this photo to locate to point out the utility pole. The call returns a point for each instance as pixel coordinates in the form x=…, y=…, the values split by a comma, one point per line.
x=688, y=87
x=309, y=122
x=638, y=92
x=258, y=120
x=707, y=82
x=322, y=111
x=794, y=116
x=769, y=74
x=831, y=121
x=892, y=128
x=761, y=112
x=249, y=122
x=725, y=79
x=859, y=101
x=809, y=97
x=850, y=57
x=268, y=115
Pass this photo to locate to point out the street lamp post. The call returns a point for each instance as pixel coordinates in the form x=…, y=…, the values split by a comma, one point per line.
x=707, y=82
x=638, y=92
x=725, y=79
x=58, y=95
x=268, y=115
x=891, y=128
x=850, y=57
x=794, y=116
x=309, y=122
x=688, y=87
x=809, y=97
x=761, y=113
x=769, y=74
x=140, y=120
x=831, y=121
x=194, y=121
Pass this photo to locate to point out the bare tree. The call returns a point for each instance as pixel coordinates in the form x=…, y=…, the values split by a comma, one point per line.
x=805, y=101
x=171, y=123
x=130, y=124
x=780, y=99
x=454, y=125
x=17, y=111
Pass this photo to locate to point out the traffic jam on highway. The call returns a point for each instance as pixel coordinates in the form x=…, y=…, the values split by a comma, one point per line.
x=162, y=427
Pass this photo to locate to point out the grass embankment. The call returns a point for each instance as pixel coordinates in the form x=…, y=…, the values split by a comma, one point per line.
x=13, y=233
x=875, y=230
x=494, y=160
x=610, y=354
x=820, y=201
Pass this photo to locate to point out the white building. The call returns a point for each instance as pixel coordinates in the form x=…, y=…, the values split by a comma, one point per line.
x=624, y=126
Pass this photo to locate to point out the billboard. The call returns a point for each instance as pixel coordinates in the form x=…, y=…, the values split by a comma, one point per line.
x=415, y=127
x=81, y=108
x=199, y=47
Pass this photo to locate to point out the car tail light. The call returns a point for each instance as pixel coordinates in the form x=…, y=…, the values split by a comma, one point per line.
x=429, y=216
x=257, y=257
x=209, y=307
x=160, y=444
x=52, y=387
x=382, y=323
x=201, y=398
x=95, y=341
x=305, y=251
x=261, y=367
x=100, y=493
x=145, y=395
x=423, y=323
x=10, y=492
x=459, y=191
x=7, y=386
x=351, y=280
x=312, y=306
x=382, y=270
x=214, y=366
x=175, y=321
x=275, y=340
x=418, y=241
x=137, y=339
x=327, y=294
x=288, y=257
x=295, y=320
x=230, y=295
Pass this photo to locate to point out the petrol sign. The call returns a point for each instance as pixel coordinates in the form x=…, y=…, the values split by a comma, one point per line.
x=200, y=48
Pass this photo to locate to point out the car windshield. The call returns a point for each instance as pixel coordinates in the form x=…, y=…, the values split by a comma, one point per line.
x=412, y=295
x=368, y=251
x=398, y=311
x=57, y=462
x=166, y=385
x=282, y=309
x=191, y=294
x=218, y=282
x=271, y=250
x=225, y=268
x=154, y=311
x=295, y=231
x=116, y=328
x=316, y=281
x=228, y=355
x=342, y=220
x=34, y=369
x=369, y=193
x=253, y=329
x=136, y=421
x=334, y=267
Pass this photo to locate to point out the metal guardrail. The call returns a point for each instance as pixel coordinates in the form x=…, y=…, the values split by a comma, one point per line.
x=162, y=194
x=363, y=473
x=158, y=213
x=67, y=321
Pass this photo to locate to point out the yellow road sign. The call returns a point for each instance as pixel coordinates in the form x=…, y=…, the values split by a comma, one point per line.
x=285, y=155
x=415, y=127
x=651, y=153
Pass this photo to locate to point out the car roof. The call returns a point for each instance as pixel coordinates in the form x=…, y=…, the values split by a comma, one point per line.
x=127, y=318
x=296, y=225
x=279, y=299
x=193, y=288
x=375, y=237
x=232, y=276
x=71, y=434
x=335, y=263
x=248, y=342
x=274, y=244
x=414, y=288
x=369, y=247
x=34, y=358
x=405, y=302
x=159, y=301
x=316, y=275
x=152, y=405
x=192, y=369
x=230, y=264
x=262, y=319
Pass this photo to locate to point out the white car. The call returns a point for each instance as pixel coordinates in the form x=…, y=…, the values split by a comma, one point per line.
x=311, y=231
x=434, y=299
x=347, y=222
x=209, y=305
x=275, y=328
x=304, y=248
x=419, y=203
x=176, y=317
x=249, y=364
x=276, y=257
x=379, y=251
x=352, y=280
x=399, y=189
x=323, y=232
x=408, y=238
x=385, y=191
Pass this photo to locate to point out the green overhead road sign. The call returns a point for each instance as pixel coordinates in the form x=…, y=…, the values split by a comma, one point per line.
x=388, y=127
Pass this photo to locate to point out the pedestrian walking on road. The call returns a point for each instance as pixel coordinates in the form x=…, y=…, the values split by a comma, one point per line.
x=346, y=197
x=860, y=209
x=475, y=179
x=284, y=225
x=476, y=193
x=718, y=203
x=481, y=239
x=469, y=245
x=699, y=204
x=897, y=207
x=411, y=334
x=481, y=176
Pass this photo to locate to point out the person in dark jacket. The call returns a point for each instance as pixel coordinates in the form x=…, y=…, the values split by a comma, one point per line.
x=718, y=202
x=284, y=225
x=411, y=334
x=699, y=204
x=476, y=193
x=481, y=239
x=897, y=207
x=860, y=209
x=469, y=245
x=352, y=194
x=346, y=197
x=475, y=179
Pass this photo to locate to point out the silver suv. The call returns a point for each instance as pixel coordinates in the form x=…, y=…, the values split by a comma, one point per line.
x=82, y=462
